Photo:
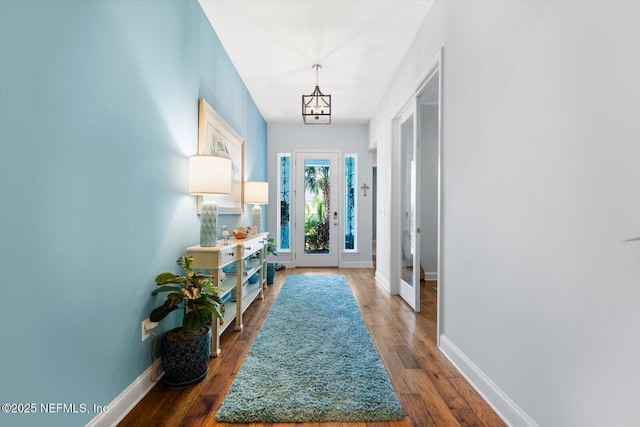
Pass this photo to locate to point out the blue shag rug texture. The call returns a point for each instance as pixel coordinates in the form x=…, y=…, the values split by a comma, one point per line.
x=312, y=361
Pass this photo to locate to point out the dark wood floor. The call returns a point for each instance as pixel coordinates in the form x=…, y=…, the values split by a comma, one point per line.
x=431, y=390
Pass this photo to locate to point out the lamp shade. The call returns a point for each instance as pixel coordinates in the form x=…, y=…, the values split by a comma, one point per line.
x=209, y=175
x=256, y=192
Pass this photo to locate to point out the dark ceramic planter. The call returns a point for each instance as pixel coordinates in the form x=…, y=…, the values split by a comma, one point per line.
x=185, y=363
x=271, y=272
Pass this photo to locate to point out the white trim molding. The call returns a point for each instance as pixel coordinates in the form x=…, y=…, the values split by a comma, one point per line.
x=287, y=264
x=506, y=408
x=356, y=264
x=430, y=276
x=384, y=283
x=125, y=401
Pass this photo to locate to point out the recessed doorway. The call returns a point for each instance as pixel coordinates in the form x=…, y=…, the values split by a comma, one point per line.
x=416, y=208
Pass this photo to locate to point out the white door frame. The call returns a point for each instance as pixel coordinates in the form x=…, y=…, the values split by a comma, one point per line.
x=337, y=206
x=436, y=66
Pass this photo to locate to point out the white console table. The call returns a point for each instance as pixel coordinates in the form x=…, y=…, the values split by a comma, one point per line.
x=250, y=257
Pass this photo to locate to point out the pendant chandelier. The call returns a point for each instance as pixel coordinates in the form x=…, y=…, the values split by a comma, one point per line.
x=316, y=108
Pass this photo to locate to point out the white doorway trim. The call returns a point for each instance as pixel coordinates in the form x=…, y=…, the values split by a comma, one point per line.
x=435, y=66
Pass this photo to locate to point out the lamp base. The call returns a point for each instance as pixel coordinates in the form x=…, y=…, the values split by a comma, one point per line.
x=257, y=217
x=209, y=224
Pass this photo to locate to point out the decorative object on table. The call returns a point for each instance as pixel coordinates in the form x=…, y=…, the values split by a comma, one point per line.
x=271, y=267
x=209, y=175
x=341, y=377
x=225, y=235
x=241, y=232
x=185, y=350
x=217, y=138
x=316, y=108
x=256, y=192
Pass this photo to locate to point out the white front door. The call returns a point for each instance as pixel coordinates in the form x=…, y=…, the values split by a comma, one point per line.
x=317, y=210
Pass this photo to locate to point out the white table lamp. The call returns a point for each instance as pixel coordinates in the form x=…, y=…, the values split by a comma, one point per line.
x=209, y=175
x=256, y=192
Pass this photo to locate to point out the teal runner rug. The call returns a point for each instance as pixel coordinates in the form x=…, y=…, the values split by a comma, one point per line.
x=312, y=361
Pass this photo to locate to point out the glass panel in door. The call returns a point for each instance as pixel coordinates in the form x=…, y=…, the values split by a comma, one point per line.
x=317, y=206
x=408, y=210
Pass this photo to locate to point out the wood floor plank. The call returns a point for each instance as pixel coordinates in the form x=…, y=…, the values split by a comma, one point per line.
x=406, y=356
x=416, y=410
x=443, y=385
x=431, y=390
x=467, y=418
x=418, y=381
x=482, y=410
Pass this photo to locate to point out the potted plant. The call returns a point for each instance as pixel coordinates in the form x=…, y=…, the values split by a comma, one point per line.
x=271, y=267
x=185, y=350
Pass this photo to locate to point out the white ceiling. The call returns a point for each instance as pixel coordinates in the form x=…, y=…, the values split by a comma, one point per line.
x=274, y=43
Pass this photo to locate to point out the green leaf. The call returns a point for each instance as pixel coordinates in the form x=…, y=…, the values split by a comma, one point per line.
x=205, y=314
x=180, y=261
x=159, y=313
x=215, y=298
x=174, y=299
x=165, y=278
x=202, y=299
x=187, y=262
x=214, y=309
x=166, y=289
x=192, y=322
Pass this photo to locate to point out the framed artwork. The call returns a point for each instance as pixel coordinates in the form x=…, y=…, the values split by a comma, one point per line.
x=217, y=138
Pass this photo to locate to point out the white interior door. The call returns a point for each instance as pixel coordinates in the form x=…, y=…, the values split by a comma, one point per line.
x=317, y=209
x=409, y=208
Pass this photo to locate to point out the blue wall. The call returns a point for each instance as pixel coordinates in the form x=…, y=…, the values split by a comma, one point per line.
x=99, y=112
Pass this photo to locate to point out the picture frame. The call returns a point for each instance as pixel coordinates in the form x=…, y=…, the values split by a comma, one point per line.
x=217, y=138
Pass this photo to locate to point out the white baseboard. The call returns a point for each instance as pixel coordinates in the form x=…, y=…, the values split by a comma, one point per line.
x=383, y=282
x=356, y=264
x=430, y=276
x=287, y=264
x=125, y=401
x=506, y=408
